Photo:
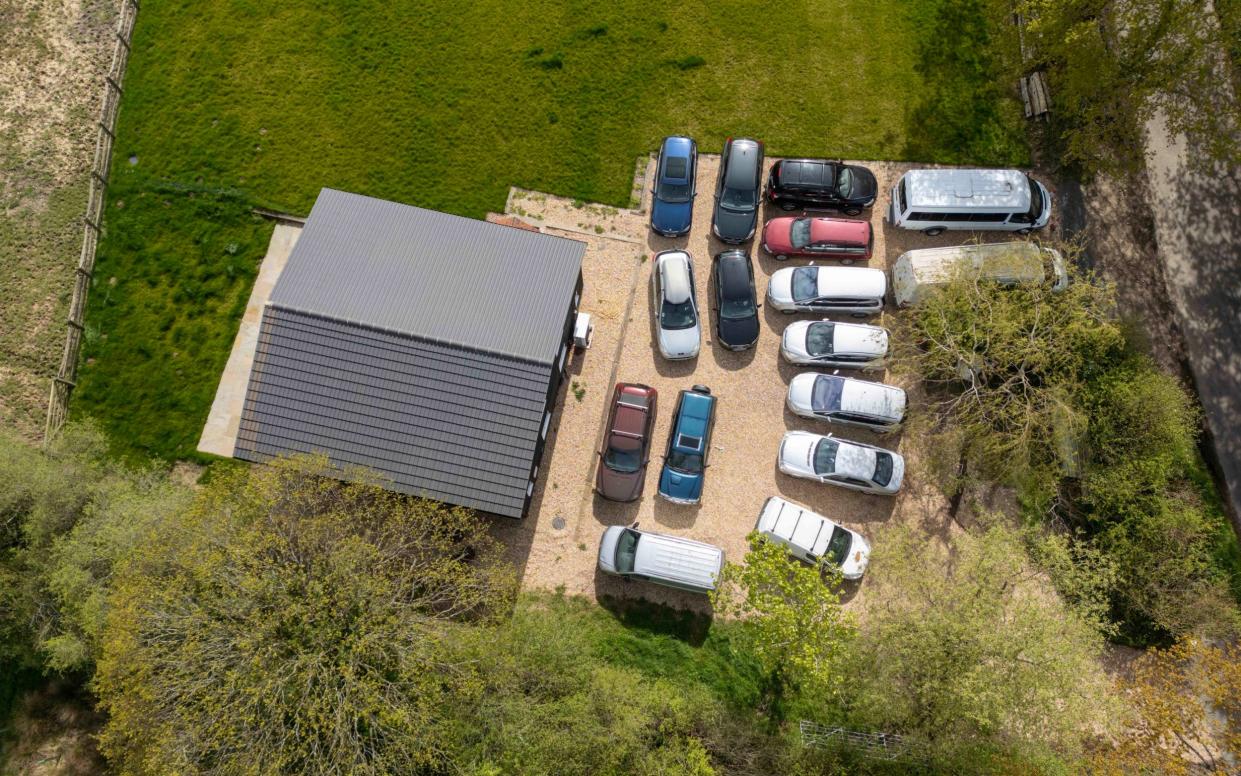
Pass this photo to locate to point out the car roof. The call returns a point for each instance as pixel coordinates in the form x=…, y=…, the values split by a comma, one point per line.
x=796, y=524
x=677, y=559
x=865, y=282
x=968, y=189
x=695, y=413
x=877, y=400
x=744, y=163
x=677, y=145
x=674, y=266
x=814, y=173
x=840, y=230
x=857, y=338
x=733, y=271
x=855, y=460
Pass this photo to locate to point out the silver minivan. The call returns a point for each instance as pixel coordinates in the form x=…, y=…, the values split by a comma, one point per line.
x=665, y=560
x=934, y=201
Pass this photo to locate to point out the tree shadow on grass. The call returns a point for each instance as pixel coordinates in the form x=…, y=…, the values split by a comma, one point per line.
x=969, y=112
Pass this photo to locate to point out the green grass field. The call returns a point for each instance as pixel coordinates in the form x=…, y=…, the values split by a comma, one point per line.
x=444, y=105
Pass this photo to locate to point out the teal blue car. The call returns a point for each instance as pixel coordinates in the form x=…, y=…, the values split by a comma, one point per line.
x=685, y=464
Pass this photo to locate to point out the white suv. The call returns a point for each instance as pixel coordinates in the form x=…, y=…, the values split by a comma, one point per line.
x=858, y=291
x=675, y=305
x=813, y=538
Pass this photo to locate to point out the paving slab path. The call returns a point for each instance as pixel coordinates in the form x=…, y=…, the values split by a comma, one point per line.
x=1197, y=215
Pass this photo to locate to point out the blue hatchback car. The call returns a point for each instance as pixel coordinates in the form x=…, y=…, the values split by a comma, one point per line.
x=672, y=199
x=685, y=464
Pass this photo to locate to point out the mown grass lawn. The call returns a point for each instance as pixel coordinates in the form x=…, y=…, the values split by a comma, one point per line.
x=229, y=104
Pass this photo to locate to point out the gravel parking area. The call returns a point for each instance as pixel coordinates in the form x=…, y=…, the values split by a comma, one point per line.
x=556, y=544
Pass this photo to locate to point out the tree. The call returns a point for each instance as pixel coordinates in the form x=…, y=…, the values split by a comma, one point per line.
x=1041, y=391
x=1002, y=366
x=1187, y=713
x=289, y=622
x=967, y=646
x=1113, y=64
x=791, y=615
x=68, y=514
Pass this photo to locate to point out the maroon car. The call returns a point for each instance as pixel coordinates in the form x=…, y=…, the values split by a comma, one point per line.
x=627, y=444
x=828, y=238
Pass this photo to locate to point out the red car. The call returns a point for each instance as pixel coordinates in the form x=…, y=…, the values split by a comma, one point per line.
x=621, y=473
x=827, y=238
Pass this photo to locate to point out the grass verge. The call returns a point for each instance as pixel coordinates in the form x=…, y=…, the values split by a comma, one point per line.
x=444, y=106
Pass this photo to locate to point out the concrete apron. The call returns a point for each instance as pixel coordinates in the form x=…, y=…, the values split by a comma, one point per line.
x=220, y=434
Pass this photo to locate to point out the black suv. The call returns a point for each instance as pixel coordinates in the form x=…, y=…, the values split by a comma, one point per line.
x=737, y=190
x=820, y=183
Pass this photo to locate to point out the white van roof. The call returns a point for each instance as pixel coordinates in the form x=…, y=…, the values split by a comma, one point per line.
x=678, y=560
x=1007, y=190
x=1008, y=262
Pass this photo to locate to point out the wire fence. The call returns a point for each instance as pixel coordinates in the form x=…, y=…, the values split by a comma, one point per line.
x=66, y=376
x=876, y=746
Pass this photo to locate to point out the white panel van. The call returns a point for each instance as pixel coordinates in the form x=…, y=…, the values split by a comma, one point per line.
x=933, y=201
x=666, y=560
x=916, y=272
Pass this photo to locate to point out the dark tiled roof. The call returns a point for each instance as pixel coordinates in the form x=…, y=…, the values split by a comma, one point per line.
x=442, y=277
x=443, y=397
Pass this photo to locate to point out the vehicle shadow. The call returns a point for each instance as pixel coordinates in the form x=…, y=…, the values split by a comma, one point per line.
x=683, y=616
x=676, y=516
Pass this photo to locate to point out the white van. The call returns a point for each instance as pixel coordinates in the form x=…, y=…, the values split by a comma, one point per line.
x=665, y=560
x=916, y=272
x=936, y=200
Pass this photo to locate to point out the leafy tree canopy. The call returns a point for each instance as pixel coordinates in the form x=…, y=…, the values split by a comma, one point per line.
x=295, y=623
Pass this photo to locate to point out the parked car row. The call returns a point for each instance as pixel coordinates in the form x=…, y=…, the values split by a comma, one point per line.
x=932, y=201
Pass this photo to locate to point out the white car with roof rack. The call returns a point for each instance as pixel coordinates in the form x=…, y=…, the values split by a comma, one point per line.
x=848, y=401
x=675, y=305
x=826, y=343
x=813, y=538
x=858, y=291
x=841, y=462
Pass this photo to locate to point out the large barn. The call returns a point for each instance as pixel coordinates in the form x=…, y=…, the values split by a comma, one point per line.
x=425, y=346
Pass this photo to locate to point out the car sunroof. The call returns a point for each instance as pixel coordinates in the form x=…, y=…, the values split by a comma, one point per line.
x=677, y=167
x=692, y=442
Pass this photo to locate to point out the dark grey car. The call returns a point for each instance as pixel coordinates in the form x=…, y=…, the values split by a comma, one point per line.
x=737, y=190
x=736, y=305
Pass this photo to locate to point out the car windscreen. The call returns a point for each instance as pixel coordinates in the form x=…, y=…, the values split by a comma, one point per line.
x=838, y=546
x=1036, y=200
x=844, y=183
x=883, y=469
x=624, y=455
x=820, y=339
x=677, y=315
x=805, y=284
x=825, y=456
x=799, y=233
x=738, y=199
x=687, y=463
x=626, y=551
x=826, y=395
